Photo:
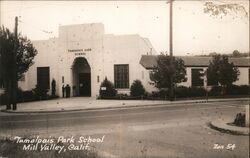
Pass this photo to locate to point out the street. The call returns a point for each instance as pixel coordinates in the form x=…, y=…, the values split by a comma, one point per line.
x=156, y=131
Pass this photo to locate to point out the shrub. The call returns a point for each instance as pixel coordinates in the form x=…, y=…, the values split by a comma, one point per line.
x=239, y=120
x=137, y=89
x=181, y=92
x=110, y=91
x=190, y=92
x=122, y=96
x=196, y=91
x=40, y=93
x=231, y=90
x=23, y=96
x=238, y=90
x=161, y=94
x=215, y=91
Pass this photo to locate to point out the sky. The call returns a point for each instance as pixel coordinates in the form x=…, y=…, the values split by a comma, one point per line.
x=194, y=32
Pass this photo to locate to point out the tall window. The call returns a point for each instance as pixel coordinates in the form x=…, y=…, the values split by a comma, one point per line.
x=196, y=77
x=121, y=76
x=43, y=77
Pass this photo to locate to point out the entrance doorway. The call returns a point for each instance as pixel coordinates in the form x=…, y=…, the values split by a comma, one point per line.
x=84, y=84
x=81, y=77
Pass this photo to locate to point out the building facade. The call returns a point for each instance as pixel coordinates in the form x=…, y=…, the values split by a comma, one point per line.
x=82, y=56
x=196, y=64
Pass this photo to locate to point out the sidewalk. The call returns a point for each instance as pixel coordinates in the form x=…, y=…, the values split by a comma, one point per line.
x=82, y=103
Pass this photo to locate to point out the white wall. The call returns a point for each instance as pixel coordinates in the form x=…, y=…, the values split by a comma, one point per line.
x=125, y=49
x=46, y=56
x=106, y=50
x=243, y=77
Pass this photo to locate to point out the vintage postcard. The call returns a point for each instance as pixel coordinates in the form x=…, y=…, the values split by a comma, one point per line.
x=124, y=79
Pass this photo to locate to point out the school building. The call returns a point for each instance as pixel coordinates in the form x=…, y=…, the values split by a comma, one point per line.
x=83, y=55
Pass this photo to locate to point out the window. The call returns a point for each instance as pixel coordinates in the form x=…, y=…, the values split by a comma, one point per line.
x=43, y=77
x=197, y=77
x=121, y=76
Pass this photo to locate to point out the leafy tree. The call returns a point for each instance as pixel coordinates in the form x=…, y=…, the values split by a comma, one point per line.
x=25, y=53
x=236, y=53
x=221, y=71
x=223, y=9
x=162, y=73
x=137, y=89
x=109, y=90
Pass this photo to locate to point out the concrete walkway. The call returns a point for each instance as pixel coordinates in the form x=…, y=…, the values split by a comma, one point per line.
x=78, y=103
x=87, y=103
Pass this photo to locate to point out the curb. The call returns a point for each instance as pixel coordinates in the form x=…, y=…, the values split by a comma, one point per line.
x=129, y=106
x=222, y=126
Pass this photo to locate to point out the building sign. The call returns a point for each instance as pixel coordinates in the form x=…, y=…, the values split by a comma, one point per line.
x=87, y=50
x=75, y=50
x=80, y=50
x=80, y=54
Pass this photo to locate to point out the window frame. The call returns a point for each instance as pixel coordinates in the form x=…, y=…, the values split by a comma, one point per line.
x=121, y=76
x=198, y=82
x=41, y=81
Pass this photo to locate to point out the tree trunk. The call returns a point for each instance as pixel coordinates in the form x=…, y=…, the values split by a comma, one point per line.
x=223, y=90
x=8, y=95
x=14, y=94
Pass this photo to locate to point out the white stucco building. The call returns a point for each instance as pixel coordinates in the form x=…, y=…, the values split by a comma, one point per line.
x=83, y=55
x=197, y=63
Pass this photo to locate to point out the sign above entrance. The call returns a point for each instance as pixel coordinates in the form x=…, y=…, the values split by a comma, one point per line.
x=80, y=50
x=80, y=53
x=75, y=50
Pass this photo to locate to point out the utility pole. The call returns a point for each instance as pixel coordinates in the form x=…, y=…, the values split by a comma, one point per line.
x=14, y=79
x=171, y=48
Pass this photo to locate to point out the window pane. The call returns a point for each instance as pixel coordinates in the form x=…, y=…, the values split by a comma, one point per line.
x=43, y=77
x=121, y=76
x=196, y=77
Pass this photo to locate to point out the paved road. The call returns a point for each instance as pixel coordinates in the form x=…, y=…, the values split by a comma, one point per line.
x=173, y=131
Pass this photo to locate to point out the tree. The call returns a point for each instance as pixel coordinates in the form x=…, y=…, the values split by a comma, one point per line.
x=107, y=89
x=223, y=9
x=25, y=53
x=221, y=71
x=137, y=89
x=161, y=74
x=236, y=53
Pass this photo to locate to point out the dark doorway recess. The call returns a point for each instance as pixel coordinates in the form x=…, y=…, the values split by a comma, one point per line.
x=84, y=84
x=81, y=77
